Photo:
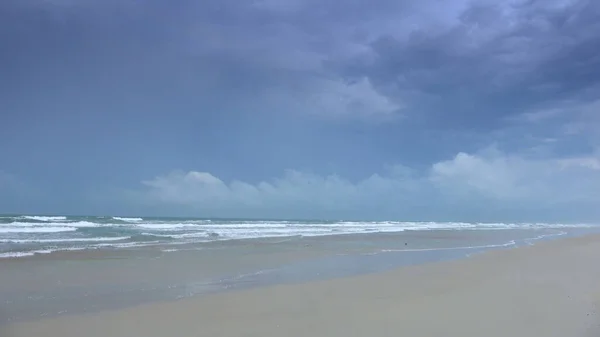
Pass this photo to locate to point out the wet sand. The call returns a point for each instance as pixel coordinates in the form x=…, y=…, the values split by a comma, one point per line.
x=550, y=289
x=92, y=280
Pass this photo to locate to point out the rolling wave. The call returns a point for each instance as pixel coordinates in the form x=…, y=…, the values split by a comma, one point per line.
x=37, y=233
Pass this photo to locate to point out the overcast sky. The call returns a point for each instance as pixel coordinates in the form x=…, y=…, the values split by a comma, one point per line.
x=405, y=110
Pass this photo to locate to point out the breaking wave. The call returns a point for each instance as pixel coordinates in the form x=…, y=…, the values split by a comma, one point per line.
x=24, y=235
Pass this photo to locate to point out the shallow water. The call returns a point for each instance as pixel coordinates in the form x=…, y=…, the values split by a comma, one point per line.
x=85, y=281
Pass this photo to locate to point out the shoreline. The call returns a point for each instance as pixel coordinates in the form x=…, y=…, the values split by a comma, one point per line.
x=108, y=250
x=551, y=283
x=91, y=281
x=26, y=236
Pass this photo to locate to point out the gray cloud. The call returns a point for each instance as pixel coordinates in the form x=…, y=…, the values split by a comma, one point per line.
x=466, y=64
x=215, y=49
x=494, y=61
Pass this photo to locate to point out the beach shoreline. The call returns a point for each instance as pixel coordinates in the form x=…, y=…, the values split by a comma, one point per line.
x=549, y=289
x=87, y=281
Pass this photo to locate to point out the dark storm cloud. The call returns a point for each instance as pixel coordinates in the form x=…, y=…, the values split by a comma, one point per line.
x=464, y=63
x=496, y=60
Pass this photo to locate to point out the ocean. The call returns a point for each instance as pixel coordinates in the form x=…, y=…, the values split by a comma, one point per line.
x=26, y=235
x=54, y=265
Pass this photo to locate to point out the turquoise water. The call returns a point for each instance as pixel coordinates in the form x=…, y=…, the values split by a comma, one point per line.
x=26, y=235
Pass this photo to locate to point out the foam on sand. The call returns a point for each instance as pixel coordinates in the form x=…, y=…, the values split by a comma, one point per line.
x=59, y=240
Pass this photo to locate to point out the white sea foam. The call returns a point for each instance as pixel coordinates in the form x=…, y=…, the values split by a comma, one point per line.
x=77, y=224
x=35, y=229
x=43, y=218
x=264, y=229
x=127, y=219
x=180, y=236
x=272, y=232
x=31, y=230
x=530, y=241
x=166, y=226
x=250, y=225
x=59, y=240
x=123, y=245
x=92, y=247
x=36, y=252
x=16, y=254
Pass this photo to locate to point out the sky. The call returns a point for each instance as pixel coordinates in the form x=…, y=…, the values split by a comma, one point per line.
x=420, y=110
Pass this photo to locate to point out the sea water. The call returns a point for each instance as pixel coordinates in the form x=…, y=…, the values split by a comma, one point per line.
x=56, y=265
x=26, y=235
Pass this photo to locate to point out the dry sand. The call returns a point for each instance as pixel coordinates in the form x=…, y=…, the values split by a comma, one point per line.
x=551, y=289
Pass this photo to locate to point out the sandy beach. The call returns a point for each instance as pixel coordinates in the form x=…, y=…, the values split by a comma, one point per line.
x=550, y=289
